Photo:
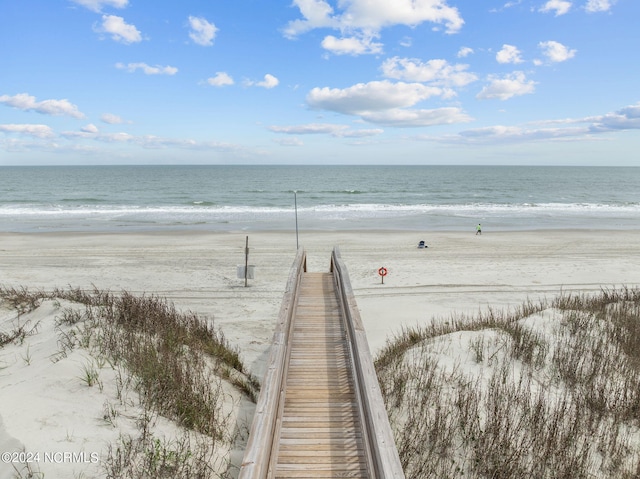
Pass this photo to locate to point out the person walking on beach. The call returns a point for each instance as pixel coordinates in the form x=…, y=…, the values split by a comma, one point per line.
x=479, y=229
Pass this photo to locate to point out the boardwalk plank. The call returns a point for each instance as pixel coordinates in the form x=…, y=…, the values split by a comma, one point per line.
x=321, y=434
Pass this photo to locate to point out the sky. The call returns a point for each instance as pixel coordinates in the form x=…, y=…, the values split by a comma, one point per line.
x=535, y=82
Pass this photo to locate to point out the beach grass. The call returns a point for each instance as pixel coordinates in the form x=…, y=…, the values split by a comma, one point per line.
x=174, y=361
x=548, y=390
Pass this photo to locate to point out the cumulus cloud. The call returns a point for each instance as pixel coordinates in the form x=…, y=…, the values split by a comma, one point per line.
x=386, y=103
x=595, y=6
x=36, y=131
x=560, y=7
x=351, y=45
x=514, y=84
x=97, y=5
x=269, y=82
x=368, y=17
x=147, y=69
x=26, y=102
x=220, y=79
x=556, y=52
x=437, y=72
x=90, y=128
x=375, y=95
x=202, y=31
x=316, y=13
x=111, y=119
x=509, y=54
x=465, y=52
x=119, y=30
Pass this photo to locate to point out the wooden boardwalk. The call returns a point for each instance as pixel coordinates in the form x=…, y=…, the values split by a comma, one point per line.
x=321, y=433
x=320, y=412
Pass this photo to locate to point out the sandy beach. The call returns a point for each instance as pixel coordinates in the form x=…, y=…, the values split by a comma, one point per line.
x=458, y=273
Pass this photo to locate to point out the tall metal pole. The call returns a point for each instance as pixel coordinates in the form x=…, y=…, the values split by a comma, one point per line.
x=246, y=262
x=295, y=202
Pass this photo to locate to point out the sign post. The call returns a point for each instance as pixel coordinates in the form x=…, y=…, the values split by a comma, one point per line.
x=382, y=272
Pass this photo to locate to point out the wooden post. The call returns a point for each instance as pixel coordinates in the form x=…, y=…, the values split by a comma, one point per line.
x=246, y=262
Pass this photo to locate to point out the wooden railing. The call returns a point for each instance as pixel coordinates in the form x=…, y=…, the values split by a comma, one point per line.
x=382, y=456
x=258, y=451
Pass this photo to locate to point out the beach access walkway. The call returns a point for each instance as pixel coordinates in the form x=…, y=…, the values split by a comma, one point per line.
x=320, y=413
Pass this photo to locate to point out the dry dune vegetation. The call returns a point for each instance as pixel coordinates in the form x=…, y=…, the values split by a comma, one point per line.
x=550, y=390
x=164, y=364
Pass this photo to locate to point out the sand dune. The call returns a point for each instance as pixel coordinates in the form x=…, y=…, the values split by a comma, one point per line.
x=47, y=408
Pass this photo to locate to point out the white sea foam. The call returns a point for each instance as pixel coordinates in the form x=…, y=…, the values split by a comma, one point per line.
x=503, y=216
x=85, y=198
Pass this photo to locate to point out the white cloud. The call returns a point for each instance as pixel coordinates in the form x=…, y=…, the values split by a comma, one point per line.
x=202, y=32
x=512, y=4
x=119, y=30
x=516, y=134
x=111, y=119
x=366, y=18
x=627, y=118
x=288, y=141
x=316, y=13
x=438, y=72
x=386, y=103
x=96, y=5
x=514, y=84
x=560, y=7
x=376, y=95
x=400, y=117
x=150, y=141
x=147, y=69
x=26, y=102
x=221, y=79
x=37, y=131
x=269, y=82
x=556, y=52
x=336, y=130
x=506, y=6
x=465, y=52
x=594, y=6
x=90, y=128
x=309, y=129
x=361, y=133
x=351, y=45
x=509, y=54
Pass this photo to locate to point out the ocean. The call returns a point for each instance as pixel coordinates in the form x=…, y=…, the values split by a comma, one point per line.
x=250, y=198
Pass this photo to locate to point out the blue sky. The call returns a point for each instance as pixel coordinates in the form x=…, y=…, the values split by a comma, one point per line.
x=320, y=82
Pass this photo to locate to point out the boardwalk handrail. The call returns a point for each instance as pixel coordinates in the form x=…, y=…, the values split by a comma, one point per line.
x=257, y=453
x=382, y=458
x=382, y=448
